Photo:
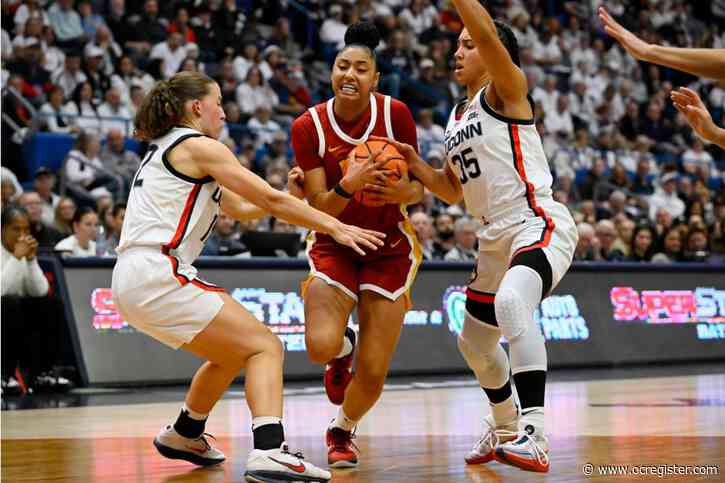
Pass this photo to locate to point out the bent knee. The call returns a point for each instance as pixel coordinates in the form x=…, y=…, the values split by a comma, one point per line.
x=323, y=348
x=511, y=313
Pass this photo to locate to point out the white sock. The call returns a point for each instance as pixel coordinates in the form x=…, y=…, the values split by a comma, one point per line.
x=346, y=348
x=504, y=412
x=343, y=422
x=265, y=420
x=194, y=415
x=534, y=417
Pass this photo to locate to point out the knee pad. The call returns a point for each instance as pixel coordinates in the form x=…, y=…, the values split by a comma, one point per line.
x=516, y=299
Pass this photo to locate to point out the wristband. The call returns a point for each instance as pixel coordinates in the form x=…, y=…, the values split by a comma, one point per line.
x=341, y=191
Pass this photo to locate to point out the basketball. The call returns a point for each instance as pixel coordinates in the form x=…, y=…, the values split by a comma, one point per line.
x=396, y=165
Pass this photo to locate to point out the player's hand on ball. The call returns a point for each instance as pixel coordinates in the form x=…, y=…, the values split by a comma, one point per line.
x=296, y=182
x=362, y=172
x=356, y=237
x=387, y=190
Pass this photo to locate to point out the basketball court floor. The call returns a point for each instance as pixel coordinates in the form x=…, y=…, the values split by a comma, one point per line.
x=668, y=419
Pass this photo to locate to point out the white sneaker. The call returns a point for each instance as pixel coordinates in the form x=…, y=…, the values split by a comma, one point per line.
x=194, y=450
x=279, y=464
x=528, y=451
x=483, y=450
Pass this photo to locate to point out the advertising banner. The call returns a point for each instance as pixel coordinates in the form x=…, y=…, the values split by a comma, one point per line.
x=596, y=316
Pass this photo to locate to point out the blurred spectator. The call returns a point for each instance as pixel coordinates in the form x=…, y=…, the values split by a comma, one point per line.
x=65, y=210
x=66, y=23
x=333, y=29
x=224, y=241
x=444, y=233
x=115, y=115
x=559, y=120
x=145, y=30
x=21, y=274
x=86, y=178
x=587, y=243
x=430, y=136
x=606, y=234
x=71, y=75
x=54, y=113
x=46, y=236
x=666, y=197
x=672, y=247
x=172, y=51
x=128, y=77
x=262, y=125
x=82, y=243
x=90, y=21
x=27, y=10
x=254, y=93
x=697, y=246
x=696, y=157
x=82, y=109
x=288, y=83
x=418, y=16
x=180, y=24
x=29, y=65
x=107, y=241
x=118, y=160
x=464, y=231
x=44, y=184
x=423, y=226
x=643, y=244
x=248, y=58
x=29, y=350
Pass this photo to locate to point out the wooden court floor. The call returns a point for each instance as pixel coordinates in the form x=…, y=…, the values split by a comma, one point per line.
x=417, y=436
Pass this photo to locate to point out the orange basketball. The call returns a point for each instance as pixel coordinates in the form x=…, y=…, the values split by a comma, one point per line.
x=396, y=165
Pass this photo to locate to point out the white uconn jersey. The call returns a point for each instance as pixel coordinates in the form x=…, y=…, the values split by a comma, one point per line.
x=167, y=209
x=500, y=162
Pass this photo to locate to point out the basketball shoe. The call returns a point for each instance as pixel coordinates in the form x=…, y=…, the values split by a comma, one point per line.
x=275, y=465
x=338, y=373
x=528, y=451
x=194, y=450
x=341, y=451
x=483, y=450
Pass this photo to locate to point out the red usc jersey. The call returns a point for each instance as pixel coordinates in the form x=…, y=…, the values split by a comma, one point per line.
x=320, y=139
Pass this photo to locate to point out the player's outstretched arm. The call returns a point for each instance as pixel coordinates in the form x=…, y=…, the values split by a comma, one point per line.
x=242, y=210
x=442, y=182
x=508, y=80
x=708, y=63
x=216, y=160
x=691, y=106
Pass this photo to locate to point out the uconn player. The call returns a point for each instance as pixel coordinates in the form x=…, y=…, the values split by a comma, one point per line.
x=496, y=163
x=182, y=182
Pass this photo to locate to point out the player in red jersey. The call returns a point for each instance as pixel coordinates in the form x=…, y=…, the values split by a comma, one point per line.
x=339, y=279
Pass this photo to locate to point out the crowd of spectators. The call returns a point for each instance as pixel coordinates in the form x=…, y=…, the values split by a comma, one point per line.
x=640, y=184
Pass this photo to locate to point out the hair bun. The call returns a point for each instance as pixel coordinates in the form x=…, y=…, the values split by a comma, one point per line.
x=363, y=33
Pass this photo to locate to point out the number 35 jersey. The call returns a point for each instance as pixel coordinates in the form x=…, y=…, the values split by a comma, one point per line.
x=167, y=209
x=500, y=161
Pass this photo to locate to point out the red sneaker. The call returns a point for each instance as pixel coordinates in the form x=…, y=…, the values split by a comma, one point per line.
x=338, y=373
x=341, y=451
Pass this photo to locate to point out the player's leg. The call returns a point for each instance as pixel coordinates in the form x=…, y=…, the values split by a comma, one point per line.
x=233, y=340
x=385, y=283
x=330, y=294
x=538, y=263
x=520, y=292
x=480, y=347
x=381, y=320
